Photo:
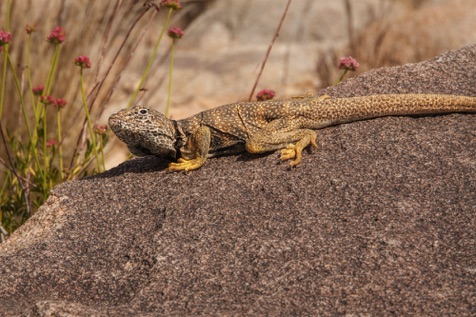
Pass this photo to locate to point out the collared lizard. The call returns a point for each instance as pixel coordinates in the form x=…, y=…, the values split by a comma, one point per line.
x=258, y=127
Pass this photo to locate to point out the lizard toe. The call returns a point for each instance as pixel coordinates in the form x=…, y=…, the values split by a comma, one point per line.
x=288, y=153
x=186, y=165
x=298, y=157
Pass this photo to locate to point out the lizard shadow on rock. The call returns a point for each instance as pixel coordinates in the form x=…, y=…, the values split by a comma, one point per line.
x=246, y=157
x=135, y=165
x=155, y=164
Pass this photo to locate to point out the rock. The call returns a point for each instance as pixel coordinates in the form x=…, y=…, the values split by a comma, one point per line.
x=378, y=221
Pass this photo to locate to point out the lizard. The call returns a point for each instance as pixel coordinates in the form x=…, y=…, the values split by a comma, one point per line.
x=263, y=126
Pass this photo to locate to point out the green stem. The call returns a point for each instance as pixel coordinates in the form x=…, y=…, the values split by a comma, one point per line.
x=88, y=119
x=49, y=84
x=45, y=153
x=4, y=77
x=60, y=144
x=101, y=150
x=51, y=74
x=169, y=92
x=151, y=59
x=341, y=77
x=20, y=94
x=32, y=96
x=32, y=136
x=5, y=59
x=36, y=109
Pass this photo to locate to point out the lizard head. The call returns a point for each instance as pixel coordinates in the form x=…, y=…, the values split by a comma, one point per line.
x=145, y=131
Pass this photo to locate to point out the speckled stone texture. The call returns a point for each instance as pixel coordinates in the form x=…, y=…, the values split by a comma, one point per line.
x=379, y=221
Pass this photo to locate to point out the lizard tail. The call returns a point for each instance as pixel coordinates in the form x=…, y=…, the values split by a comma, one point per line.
x=342, y=110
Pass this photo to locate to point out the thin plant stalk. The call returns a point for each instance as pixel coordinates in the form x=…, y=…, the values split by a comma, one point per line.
x=45, y=156
x=28, y=67
x=14, y=171
x=5, y=61
x=169, y=92
x=151, y=59
x=23, y=110
x=20, y=94
x=88, y=118
x=7, y=19
x=51, y=74
x=263, y=64
x=4, y=83
x=101, y=150
x=341, y=76
x=49, y=84
x=36, y=112
x=60, y=143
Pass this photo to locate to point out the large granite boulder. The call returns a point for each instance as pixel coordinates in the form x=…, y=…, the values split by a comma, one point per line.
x=380, y=220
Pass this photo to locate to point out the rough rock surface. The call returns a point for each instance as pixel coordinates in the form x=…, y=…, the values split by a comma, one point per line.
x=380, y=220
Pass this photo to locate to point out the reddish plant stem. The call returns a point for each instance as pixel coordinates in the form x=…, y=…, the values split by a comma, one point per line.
x=276, y=34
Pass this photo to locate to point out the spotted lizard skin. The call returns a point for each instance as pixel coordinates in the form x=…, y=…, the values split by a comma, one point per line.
x=257, y=127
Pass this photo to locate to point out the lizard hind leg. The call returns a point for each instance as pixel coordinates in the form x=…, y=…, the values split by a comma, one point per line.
x=291, y=143
x=294, y=150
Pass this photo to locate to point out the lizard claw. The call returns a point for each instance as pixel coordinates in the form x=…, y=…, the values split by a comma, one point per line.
x=288, y=152
x=186, y=165
x=294, y=151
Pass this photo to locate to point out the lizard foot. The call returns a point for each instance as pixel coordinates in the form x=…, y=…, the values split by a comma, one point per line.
x=291, y=152
x=294, y=151
x=186, y=165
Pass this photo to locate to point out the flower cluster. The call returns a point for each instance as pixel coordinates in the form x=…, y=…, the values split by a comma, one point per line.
x=30, y=28
x=47, y=100
x=5, y=38
x=265, y=94
x=82, y=61
x=51, y=143
x=60, y=103
x=175, y=32
x=56, y=36
x=348, y=63
x=171, y=4
x=50, y=101
x=100, y=129
x=38, y=90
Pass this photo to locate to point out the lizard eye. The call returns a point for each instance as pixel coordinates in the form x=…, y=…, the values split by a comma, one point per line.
x=143, y=111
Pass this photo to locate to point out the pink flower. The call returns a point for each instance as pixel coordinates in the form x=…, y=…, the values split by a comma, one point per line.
x=348, y=63
x=175, y=32
x=60, y=103
x=82, y=61
x=100, y=129
x=51, y=143
x=171, y=4
x=30, y=28
x=38, y=90
x=56, y=36
x=265, y=94
x=5, y=38
x=47, y=100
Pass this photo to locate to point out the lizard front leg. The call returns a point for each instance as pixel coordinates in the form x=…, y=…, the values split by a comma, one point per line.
x=285, y=134
x=195, y=153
